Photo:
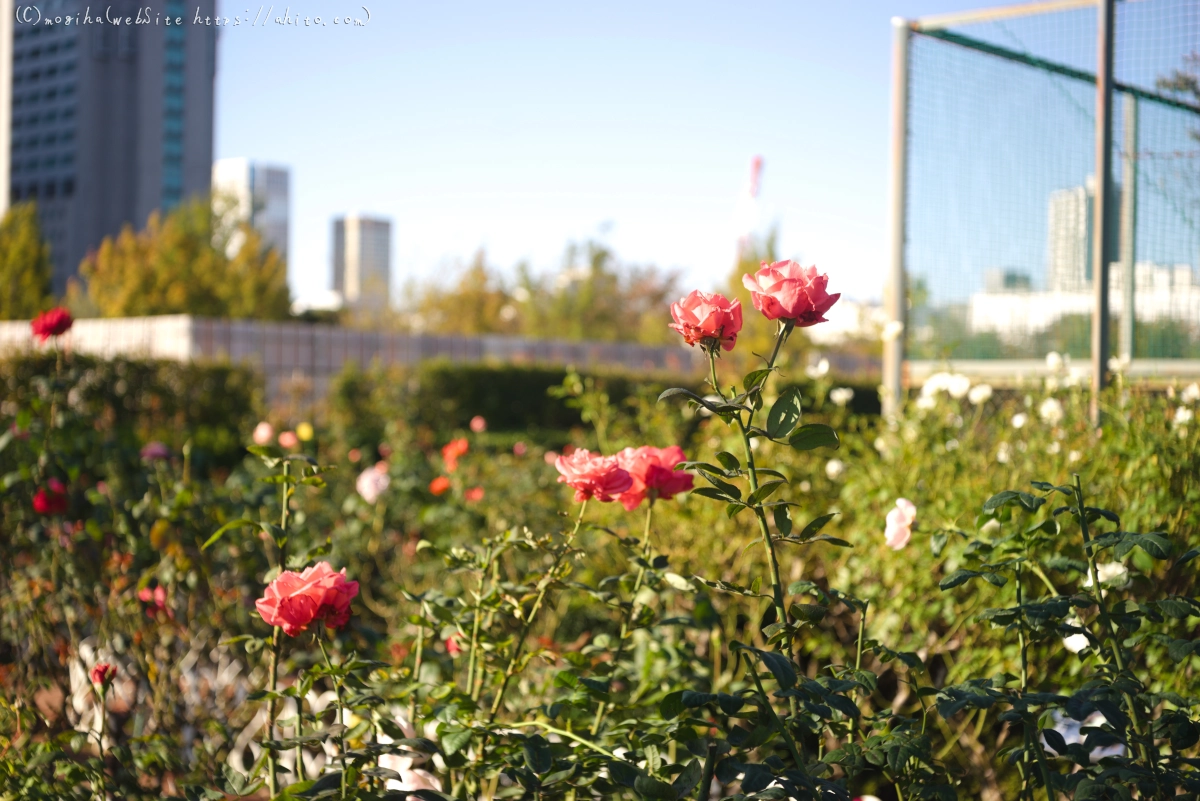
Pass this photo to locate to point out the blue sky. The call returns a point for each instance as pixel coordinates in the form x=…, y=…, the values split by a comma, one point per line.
x=518, y=127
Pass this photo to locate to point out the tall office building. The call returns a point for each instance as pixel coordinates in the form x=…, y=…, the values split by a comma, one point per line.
x=362, y=260
x=246, y=191
x=1069, y=236
x=104, y=123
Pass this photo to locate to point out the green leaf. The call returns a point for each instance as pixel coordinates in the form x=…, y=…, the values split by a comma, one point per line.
x=814, y=435
x=728, y=461
x=1013, y=498
x=780, y=666
x=753, y=379
x=623, y=773
x=649, y=787
x=537, y=754
x=1187, y=557
x=961, y=576
x=686, y=781
x=809, y=613
x=241, y=521
x=937, y=542
x=1180, y=650
x=816, y=525
x=764, y=491
x=671, y=706
x=454, y=738
x=785, y=414
x=783, y=523
x=1176, y=608
x=724, y=487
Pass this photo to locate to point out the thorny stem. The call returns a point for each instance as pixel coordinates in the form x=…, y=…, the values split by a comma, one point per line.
x=787, y=735
x=475, y=626
x=569, y=735
x=273, y=664
x=627, y=617
x=543, y=587
x=862, y=630
x=103, y=712
x=337, y=690
x=412, y=699
x=272, y=683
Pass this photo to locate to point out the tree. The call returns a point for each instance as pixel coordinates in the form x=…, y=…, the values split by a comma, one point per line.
x=593, y=296
x=180, y=264
x=25, y=271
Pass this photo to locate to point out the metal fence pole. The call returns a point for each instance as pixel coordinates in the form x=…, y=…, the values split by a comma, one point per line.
x=895, y=297
x=1102, y=218
x=1129, y=178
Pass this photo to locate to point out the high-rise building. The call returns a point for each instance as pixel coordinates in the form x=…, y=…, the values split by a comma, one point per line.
x=1069, y=236
x=104, y=123
x=362, y=260
x=246, y=191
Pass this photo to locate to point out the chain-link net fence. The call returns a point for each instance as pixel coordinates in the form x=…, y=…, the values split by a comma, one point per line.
x=1001, y=185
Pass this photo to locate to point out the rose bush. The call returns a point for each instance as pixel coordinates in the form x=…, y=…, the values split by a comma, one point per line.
x=781, y=628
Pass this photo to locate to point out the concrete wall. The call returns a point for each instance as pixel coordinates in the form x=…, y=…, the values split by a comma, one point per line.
x=295, y=357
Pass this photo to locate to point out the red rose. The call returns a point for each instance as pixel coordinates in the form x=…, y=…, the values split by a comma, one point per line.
x=102, y=673
x=51, y=499
x=653, y=473
x=592, y=476
x=53, y=323
x=294, y=601
x=439, y=485
x=785, y=290
x=710, y=319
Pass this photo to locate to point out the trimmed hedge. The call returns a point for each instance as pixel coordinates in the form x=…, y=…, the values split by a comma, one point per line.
x=139, y=400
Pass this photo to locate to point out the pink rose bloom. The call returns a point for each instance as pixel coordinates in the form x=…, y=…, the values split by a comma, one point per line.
x=708, y=318
x=519, y=449
x=102, y=673
x=653, y=473
x=294, y=601
x=372, y=482
x=452, y=451
x=53, y=323
x=592, y=475
x=473, y=495
x=785, y=290
x=263, y=433
x=478, y=424
x=899, y=524
x=289, y=440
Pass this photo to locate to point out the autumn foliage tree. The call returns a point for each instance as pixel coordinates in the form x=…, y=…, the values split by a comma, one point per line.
x=182, y=263
x=25, y=270
x=592, y=296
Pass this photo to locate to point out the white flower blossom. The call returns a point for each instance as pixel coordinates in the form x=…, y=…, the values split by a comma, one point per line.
x=1004, y=453
x=980, y=393
x=372, y=482
x=1074, y=456
x=840, y=396
x=892, y=331
x=1019, y=420
x=1191, y=393
x=1075, y=642
x=926, y=402
x=1183, y=416
x=1111, y=574
x=958, y=386
x=834, y=468
x=818, y=370
x=1054, y=362
x=1051, y=411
